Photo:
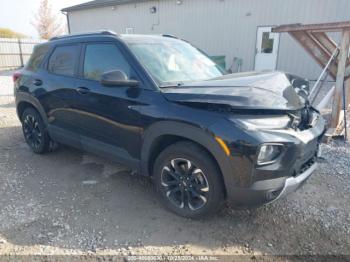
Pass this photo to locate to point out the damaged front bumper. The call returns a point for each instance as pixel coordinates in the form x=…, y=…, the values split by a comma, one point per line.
x=272, y=182
x=269, y=191
x=293, y=183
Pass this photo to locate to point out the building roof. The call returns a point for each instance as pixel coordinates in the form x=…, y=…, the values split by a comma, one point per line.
x=99, y=3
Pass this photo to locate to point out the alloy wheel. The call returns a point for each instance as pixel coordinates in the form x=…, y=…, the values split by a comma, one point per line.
x=32, y=131
x=185, y=184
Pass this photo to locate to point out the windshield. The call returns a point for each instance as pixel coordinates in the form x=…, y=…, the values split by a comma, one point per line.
x=173, y=62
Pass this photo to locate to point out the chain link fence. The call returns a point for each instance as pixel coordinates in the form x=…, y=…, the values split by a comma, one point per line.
x=15, y=52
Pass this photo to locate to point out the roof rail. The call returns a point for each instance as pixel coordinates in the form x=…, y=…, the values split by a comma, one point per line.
x=170, y=36
x=104, y=32
x=175, y=37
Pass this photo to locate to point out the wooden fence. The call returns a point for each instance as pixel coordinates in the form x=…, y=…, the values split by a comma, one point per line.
x=15, y=53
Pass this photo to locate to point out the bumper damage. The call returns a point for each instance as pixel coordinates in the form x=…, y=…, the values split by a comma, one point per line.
x=269, y=191
x=280, y=179
x=293, y=183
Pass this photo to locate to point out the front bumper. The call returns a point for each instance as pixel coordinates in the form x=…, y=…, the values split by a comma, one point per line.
x=272, y=182
x=293, y=183
x=249, y=184
x=268, y=191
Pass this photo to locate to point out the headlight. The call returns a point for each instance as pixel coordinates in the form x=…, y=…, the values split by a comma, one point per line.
x=269, y=153
x=263, y=122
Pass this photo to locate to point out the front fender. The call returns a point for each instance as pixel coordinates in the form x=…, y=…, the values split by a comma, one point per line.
x=197, y=134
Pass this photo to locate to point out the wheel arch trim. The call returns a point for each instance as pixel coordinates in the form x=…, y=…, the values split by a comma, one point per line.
x=189, y=132
x=27, y=98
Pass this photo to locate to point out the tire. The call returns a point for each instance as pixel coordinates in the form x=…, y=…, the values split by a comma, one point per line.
x=35, y=133
x=188, y=180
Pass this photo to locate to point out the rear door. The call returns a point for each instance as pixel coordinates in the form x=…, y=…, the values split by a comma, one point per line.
x=61, y=83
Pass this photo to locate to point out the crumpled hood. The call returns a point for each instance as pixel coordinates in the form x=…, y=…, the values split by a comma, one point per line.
x=265, y=90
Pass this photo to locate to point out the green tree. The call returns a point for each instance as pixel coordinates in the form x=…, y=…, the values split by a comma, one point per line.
x=8, y=33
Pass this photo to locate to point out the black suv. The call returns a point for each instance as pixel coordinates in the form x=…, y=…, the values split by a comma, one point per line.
x=162, y=107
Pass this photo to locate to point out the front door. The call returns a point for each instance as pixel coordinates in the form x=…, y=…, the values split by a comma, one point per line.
x=109, y=124
x=266, y=49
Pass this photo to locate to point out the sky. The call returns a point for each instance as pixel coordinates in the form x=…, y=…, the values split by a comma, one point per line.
x=18, y=14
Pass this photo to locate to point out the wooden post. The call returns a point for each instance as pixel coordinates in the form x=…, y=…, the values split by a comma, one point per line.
x=347, y=90
x=347, y=96
x=343, y=56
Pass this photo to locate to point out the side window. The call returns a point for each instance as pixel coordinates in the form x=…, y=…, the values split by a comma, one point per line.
x=37, y=57
x=100, y=58
x=63, y=60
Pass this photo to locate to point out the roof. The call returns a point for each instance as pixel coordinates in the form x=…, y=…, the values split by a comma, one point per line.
x=129, y=38
x=96, y=33
x=143, y=37
x=99, y=3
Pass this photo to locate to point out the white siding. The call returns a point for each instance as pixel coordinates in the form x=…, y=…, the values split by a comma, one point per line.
x=220, y=27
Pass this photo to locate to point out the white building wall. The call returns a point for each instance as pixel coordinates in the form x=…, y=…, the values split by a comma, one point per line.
x=220, y=27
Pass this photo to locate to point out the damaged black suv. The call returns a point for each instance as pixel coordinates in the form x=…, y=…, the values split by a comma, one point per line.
x=162, y=107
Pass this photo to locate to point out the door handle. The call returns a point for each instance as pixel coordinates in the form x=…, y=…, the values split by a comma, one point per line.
x=37, y=82
x=83, y=90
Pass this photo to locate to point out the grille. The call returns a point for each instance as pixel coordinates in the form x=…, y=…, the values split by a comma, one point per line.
x=307, y=165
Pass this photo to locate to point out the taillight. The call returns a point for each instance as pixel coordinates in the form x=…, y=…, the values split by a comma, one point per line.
x=15, y=76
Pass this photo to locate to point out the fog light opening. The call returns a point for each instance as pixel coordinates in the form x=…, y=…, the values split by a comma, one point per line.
x=271, y=195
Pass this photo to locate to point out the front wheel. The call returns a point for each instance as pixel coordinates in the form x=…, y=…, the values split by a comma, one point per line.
x=188, y=180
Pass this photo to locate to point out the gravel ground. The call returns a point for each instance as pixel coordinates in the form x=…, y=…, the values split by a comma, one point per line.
x=71, y=202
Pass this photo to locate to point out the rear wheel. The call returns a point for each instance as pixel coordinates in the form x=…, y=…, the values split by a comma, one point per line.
x=35, y=133
x=188, y=180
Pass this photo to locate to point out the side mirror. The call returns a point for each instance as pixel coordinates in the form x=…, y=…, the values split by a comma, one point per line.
x=117, y=78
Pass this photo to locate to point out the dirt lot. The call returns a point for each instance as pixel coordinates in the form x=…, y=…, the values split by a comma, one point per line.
x=71, y=202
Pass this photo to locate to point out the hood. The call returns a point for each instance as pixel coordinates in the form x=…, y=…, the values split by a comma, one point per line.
x=266, y=90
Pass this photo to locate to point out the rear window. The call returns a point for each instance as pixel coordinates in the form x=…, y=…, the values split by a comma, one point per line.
x=63, y=60
x=37, y=57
